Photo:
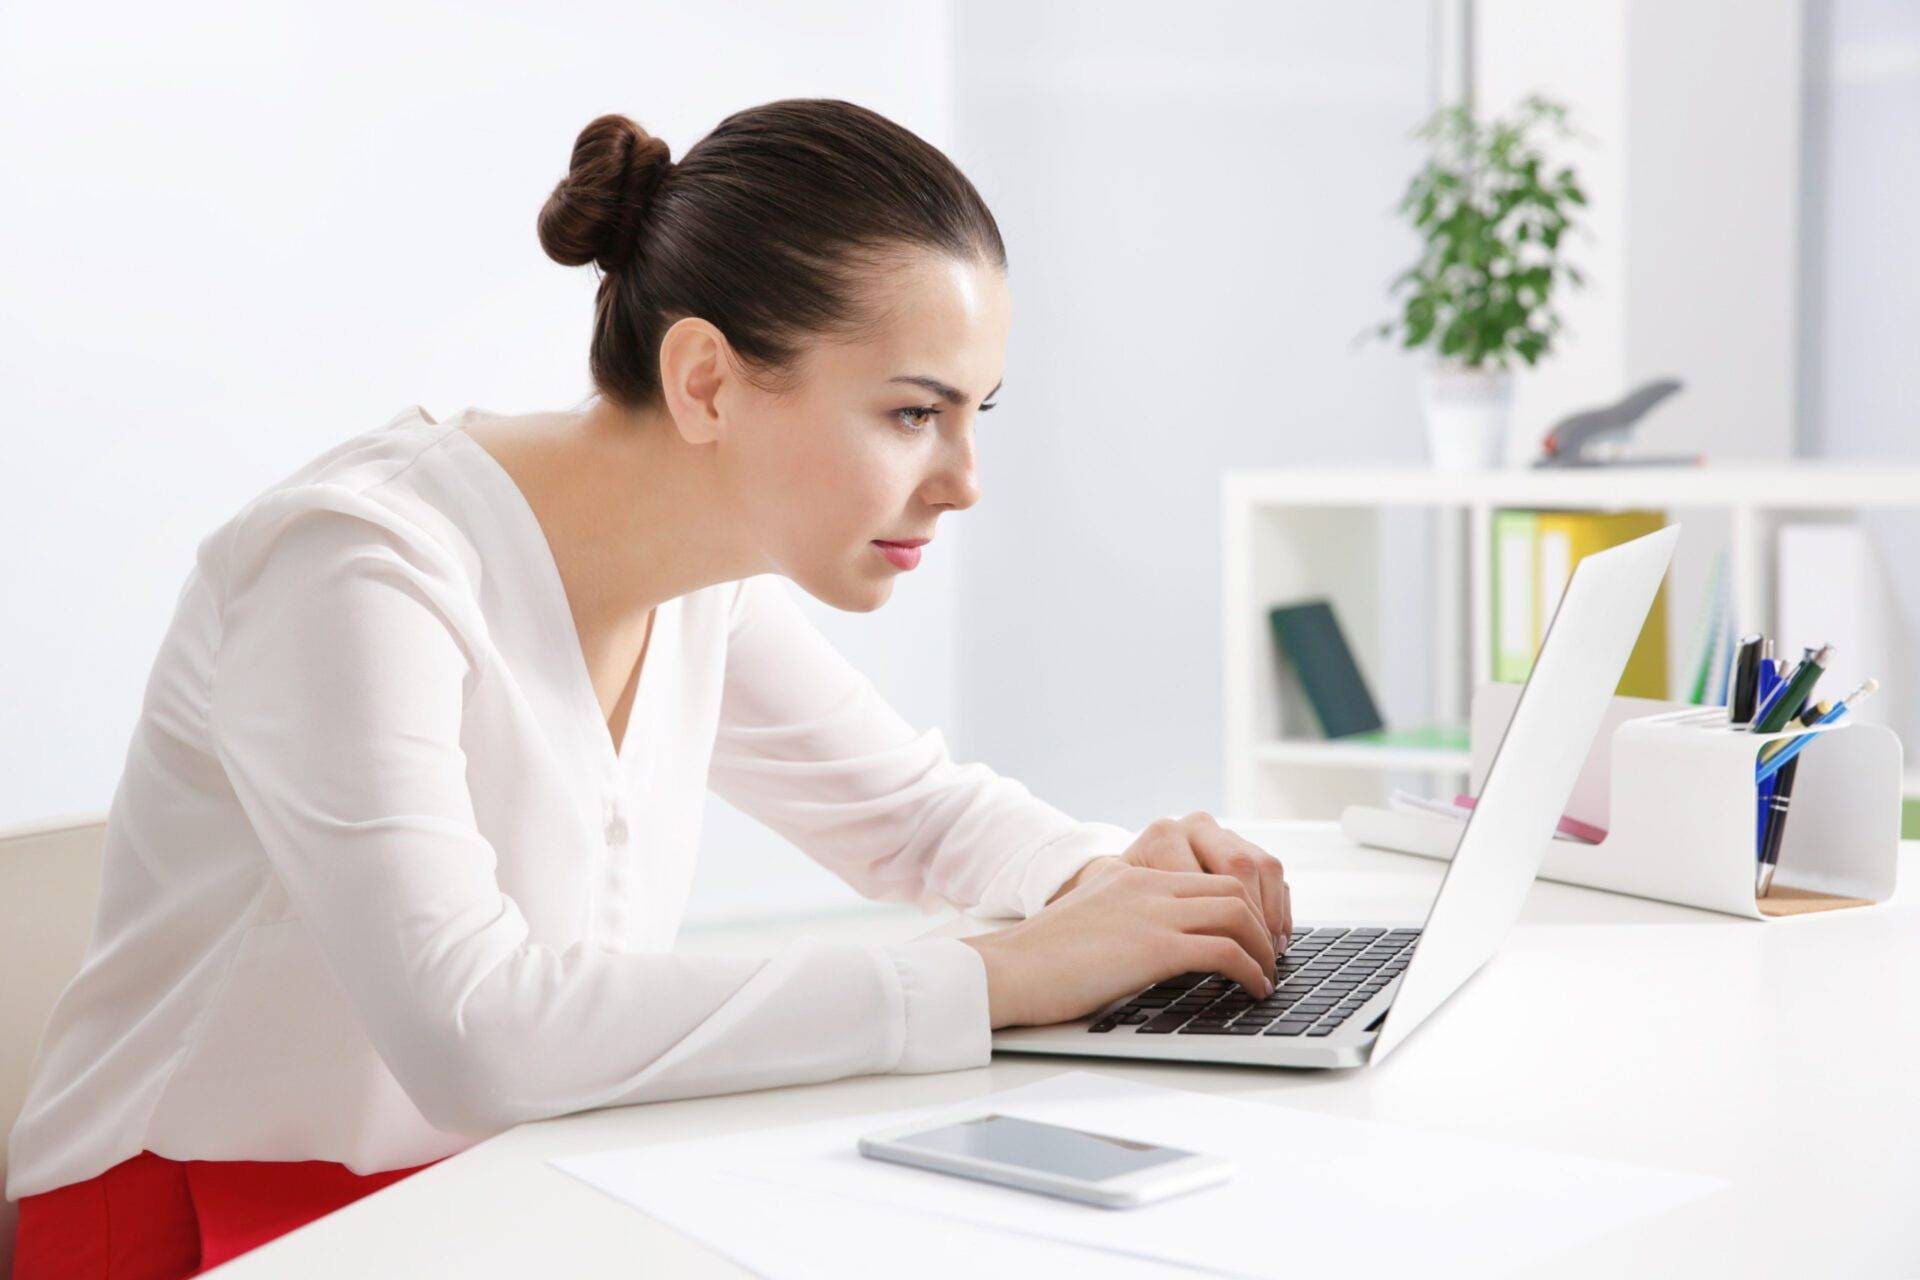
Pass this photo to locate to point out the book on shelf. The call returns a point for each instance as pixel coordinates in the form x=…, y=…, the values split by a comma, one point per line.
x=1314, y=649
x=1313, y=646
x=1516, y=627
x=1534, y=554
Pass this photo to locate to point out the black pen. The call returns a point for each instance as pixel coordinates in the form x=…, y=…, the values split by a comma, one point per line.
x=1777, y=809
x=1746, y=680
x=1777, y=822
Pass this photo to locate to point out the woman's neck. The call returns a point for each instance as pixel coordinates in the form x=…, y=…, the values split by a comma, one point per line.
x=634, y=514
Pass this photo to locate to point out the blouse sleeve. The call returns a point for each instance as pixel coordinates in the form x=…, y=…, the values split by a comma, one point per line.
x=807, y=745
x=336, y=706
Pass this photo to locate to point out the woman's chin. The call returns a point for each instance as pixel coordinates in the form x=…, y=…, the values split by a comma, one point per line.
x=856, y=591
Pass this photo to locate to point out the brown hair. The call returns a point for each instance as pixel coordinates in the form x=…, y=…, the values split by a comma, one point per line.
x=765, y=228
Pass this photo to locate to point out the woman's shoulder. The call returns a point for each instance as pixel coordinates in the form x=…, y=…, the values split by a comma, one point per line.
x=349, y=500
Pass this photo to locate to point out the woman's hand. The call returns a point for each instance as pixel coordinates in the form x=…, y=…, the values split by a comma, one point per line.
x=1198, y=843
x=1125, y=923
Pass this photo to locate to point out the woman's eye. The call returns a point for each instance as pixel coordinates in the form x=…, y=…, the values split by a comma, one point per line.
x=928, y=414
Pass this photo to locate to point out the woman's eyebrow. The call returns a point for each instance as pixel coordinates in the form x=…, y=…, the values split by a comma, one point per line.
x=951, y=395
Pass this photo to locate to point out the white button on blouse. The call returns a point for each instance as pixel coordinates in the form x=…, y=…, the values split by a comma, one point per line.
x=377, y=883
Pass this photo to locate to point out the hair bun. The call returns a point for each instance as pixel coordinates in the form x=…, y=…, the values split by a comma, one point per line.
x=595, y=213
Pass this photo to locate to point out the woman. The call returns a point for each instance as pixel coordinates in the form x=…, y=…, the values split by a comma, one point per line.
x=411, y=809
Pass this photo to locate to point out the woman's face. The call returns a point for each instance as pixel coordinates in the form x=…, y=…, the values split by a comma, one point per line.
x=874, y=439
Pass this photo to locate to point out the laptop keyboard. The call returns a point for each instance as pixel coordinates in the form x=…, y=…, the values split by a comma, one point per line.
x=1325, y=975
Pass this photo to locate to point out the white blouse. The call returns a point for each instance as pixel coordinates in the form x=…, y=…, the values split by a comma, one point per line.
x=377, y=884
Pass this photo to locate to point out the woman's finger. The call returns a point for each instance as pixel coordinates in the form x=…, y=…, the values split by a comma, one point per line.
x=1276, y=895
x=1200, y=884
x=1231, y=917
x=1211, y=953
x=1225, y=853
x=1273, y=895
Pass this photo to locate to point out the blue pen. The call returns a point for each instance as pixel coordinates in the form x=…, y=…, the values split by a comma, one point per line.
x=1769, y=678
x=1771, y=766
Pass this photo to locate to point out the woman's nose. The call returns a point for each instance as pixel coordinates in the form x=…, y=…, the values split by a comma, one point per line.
x=957, y=485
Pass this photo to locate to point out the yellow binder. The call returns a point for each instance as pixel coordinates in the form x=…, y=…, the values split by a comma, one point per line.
x=1561, y=540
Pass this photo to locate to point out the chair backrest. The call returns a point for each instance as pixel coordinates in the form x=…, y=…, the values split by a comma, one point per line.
x=49, y=883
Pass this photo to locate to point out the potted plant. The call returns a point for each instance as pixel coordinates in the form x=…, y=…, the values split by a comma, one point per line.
x=1492, y=218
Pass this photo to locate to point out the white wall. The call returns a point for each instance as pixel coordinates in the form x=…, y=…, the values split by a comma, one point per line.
x=1198, y=209
x=235, y=233
x=1713, y=212
x=1860, y=382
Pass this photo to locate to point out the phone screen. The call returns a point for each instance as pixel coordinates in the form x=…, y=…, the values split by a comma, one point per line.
x=1048, y=1148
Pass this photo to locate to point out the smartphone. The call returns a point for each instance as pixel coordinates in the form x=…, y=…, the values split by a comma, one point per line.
x=1094, y=1168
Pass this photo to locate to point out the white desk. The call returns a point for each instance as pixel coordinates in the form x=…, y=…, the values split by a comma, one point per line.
x=1782, y=1056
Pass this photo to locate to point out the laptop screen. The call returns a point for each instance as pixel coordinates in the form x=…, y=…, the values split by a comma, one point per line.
x=1531, y=775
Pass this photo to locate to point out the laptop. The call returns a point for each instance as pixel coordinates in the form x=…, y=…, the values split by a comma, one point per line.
x=1349, y=993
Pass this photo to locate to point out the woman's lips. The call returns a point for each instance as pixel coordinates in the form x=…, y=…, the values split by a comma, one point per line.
x=898, y=554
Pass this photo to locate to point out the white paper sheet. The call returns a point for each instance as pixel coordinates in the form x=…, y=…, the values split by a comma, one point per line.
x=1310, y=1190
x=815, y=1235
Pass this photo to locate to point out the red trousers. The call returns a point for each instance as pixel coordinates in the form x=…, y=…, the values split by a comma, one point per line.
x=151, y=1218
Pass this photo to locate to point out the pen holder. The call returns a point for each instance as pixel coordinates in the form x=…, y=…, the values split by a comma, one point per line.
x=1673, y=785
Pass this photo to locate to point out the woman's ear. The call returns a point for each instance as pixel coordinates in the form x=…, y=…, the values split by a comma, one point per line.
x=695, y=363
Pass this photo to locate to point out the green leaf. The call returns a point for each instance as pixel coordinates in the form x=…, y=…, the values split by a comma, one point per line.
x=1490, y=209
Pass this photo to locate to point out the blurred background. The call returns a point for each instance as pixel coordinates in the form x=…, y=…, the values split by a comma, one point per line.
x=237, y=233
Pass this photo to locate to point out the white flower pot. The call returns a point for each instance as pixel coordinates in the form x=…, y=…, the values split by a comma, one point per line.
x=1467, y=413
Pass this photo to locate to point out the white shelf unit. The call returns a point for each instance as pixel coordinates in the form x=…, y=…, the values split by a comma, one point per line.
x=1296, y=534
